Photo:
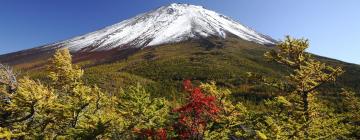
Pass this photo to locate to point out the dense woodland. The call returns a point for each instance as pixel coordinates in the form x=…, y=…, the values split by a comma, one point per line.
x=65, y=106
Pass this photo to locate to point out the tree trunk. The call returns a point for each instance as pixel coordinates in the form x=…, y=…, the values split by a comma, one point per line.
x=306, y=114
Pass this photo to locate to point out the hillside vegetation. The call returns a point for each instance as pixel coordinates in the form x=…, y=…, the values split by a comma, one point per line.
x=162, y=69
x=219, y=91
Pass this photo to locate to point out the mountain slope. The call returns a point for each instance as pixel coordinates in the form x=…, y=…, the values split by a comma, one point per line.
x=167, y=24
x=167, y=45
x=161, y=69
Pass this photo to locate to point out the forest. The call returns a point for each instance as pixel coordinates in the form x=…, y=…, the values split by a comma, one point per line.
x=62, y=105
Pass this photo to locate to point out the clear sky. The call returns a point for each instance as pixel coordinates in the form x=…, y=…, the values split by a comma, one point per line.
x=333, y=26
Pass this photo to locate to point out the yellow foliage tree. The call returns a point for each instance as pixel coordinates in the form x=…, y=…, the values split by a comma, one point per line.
x=300, y=114
x=66, y=108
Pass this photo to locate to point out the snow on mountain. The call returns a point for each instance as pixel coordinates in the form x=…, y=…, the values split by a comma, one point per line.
x=167, y=24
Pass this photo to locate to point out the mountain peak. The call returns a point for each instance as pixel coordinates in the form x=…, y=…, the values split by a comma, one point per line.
x=168, y=24
x=181, y=7
x=177, y=5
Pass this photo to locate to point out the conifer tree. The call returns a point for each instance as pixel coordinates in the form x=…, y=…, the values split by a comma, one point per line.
x=8, y=113
x=66, y=108
x=231, y=118
x=140, y=112
x=351, y=109
x=83, y=107
x=25, y=109
x=301, y=114
x=62, y=73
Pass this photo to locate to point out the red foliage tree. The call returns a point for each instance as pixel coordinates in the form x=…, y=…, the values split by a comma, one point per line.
x=159, y=134
x=194, y=115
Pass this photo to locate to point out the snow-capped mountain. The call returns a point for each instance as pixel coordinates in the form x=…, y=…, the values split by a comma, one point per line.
x=167, y=24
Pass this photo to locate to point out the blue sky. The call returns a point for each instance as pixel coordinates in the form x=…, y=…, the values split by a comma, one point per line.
x=332, y=26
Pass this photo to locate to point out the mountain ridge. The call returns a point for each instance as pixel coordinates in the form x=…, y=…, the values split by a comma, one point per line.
x=167, y=24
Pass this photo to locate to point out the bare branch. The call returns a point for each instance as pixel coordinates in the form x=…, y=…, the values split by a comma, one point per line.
x=8, y=77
